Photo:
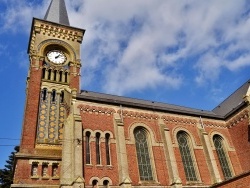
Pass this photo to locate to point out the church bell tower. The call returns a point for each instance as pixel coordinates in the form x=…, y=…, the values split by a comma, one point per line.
x=54, y=53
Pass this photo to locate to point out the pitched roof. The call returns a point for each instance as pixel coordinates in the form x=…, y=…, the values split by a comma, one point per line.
x=234, y=101
x=227, y=107
x=57, y=12
x=143, y=104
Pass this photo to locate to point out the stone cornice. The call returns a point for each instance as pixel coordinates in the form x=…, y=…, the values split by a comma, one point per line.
x=59, y=31
x=96, y=109
x=237, y=119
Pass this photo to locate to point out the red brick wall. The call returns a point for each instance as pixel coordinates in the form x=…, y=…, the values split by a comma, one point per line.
x=31, y=111
x=23, y=174
x=158, y=151
x=74, y=81
x=100, y=122
x=239, y=135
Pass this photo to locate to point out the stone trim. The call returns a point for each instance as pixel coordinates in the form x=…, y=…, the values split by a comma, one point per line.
x=180, y=128
x=227, y=144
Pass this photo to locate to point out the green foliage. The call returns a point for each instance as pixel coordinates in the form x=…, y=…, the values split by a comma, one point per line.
x=6, y=174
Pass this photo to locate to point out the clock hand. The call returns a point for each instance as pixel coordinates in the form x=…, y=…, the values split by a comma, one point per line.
x=57, y=56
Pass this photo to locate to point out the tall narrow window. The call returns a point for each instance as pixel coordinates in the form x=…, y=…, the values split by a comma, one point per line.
x=44, y=71
x=187, y=159
x=55, y=170
x=60, y=76
x=66, y=77
x=87, y=147
x=53, y=97
x=44, y=94
x=62, y=97
x=107, y=137
x=98, y=156
x=49, y=74
x=218, y=143
x=143, y=155
x=45, y=170
x=55, y=71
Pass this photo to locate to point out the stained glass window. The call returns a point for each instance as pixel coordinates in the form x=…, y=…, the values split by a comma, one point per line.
x=143, y=155
x=187, y=159
x=218, y=143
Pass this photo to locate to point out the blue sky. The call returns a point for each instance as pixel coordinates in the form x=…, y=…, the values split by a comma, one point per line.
x=190, y=53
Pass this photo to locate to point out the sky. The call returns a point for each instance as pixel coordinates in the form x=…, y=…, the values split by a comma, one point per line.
x=190, y=53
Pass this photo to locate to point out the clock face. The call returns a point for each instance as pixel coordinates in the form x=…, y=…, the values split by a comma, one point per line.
x=56, y=56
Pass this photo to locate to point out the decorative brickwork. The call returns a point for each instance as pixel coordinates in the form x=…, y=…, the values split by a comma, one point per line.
x=178, y=120
x=96, y=109
x=237, y=119
x=138, y=115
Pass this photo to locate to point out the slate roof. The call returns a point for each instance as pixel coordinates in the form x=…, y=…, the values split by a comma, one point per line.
x=228, y=106
x=233, y=102
x=142, y=104
x=57, y=12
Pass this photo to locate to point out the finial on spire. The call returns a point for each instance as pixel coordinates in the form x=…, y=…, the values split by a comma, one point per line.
x=57, y=12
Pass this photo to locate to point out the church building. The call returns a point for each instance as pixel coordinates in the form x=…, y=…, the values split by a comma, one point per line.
x=73, y=138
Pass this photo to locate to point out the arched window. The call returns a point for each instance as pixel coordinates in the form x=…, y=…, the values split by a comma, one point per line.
x=44, y=94
x=107, y=137
x=53, y=97
x=106, y=183
x=87, y=147
x=98, y=156
x=219, y=146
x=143, y=156
x=95, y=183
x=186, y=155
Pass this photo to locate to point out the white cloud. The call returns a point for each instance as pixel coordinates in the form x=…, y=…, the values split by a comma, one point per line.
x=145, y=44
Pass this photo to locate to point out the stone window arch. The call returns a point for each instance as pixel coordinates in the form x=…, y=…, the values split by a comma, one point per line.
x=222, y=155
x=187, y=155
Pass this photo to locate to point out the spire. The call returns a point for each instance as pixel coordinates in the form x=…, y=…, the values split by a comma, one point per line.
x=57, y=12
